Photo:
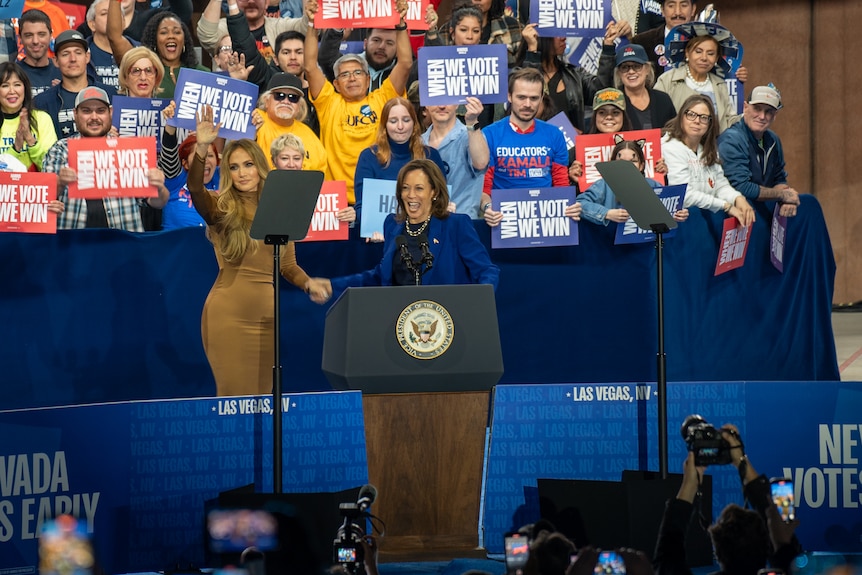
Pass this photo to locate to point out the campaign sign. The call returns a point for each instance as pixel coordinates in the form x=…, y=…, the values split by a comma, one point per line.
x=534, y=218
x=378, y=201
x=351, y=47
x=734, y=88
x=112, y=167
x=651, y=7
x=24, y=198
x=138, y=116
x=232, y=101
x=356, y=14
x=416, y=14
x=595, y=148
x=562, y=121
x=777, y=238
x=734, y=245
x=585, y=52
x=584, y=18
x=630, y=233
x=11, y=9
x=448, y=74
x=324, y=223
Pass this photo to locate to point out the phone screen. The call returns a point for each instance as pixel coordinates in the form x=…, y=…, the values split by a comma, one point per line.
x=782, y=496
x=233, y=530
x=345, y=555
x=610, y=563
x=517, y=552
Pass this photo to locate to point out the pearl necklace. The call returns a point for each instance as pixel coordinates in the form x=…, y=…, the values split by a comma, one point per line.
x=416, y=233
x=695, y=82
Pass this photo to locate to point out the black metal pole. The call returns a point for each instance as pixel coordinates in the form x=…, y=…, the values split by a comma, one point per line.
x=276, y=372
x=661, y=358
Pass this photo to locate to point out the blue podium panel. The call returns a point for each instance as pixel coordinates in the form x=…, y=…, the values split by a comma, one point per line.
x=808, y=431
x=139, y=472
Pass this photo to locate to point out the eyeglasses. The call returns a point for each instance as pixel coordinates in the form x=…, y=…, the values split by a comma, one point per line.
x=291, y=97
x=355, y=73
x=695, y=117
x=142, y=72
x=225, y=48
x=630, y=67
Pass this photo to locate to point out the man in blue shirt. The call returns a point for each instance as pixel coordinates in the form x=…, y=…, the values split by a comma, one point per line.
x=34, y=27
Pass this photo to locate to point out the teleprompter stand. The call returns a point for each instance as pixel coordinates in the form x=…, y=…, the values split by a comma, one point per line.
x=284, y=213
x=610, y=514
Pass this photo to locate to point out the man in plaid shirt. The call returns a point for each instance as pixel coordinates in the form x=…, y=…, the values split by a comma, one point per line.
x=93, y=118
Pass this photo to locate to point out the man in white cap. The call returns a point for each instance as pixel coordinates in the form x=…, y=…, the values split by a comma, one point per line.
x=93, y=117
x=752, y=156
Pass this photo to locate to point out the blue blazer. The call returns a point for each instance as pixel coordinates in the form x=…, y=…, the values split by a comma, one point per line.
x=459, y=256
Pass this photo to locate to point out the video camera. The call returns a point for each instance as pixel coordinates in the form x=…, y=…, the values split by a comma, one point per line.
x=705, y=441
x=347, y=549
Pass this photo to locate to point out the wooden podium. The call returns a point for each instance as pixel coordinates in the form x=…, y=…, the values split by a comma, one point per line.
x=425, y=419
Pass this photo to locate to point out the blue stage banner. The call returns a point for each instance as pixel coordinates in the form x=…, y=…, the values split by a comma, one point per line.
x=534, y=218
x=630, y=233
x=582, y=18
x=448, y=74
x=138, y=473
x=138, y=116
x=595, y=431
x=232, y=101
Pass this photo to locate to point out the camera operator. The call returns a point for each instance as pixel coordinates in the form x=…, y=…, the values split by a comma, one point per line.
x=743, y=540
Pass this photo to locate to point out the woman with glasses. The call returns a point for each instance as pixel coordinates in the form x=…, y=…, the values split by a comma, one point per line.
x=398, y=141
x=141, y=73
x=690, y=149
x=634, y=75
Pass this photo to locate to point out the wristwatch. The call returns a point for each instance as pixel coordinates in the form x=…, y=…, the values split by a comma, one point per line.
x=473, y=127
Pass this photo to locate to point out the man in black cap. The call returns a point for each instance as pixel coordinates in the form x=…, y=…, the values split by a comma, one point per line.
x=282, y=109
x=93, y=116
x=72, y=54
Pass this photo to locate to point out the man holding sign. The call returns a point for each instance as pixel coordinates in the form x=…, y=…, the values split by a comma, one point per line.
x=348, y=113
x=93, y=118
x=525, y=152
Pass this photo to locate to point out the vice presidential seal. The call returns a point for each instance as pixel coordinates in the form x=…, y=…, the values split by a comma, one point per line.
x=424, y=329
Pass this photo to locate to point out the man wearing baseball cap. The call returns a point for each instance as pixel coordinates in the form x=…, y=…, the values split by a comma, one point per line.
x=72, y=55
x=93, y=117
x=752, y=156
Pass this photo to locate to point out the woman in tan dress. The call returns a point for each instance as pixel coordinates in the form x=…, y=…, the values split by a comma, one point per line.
x=237, y=321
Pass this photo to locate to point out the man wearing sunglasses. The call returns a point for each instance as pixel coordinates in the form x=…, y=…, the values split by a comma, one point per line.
x=281, y=111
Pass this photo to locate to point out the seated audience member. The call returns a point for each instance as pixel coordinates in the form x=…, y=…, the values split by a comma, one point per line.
x=348, y=113
x=287, y=152
x=522, y=131
x=599, y=203
x=25, y=132
x=398, y=141
x=72, y=56
x=570, y=87
x=212, y=27
x=34, y=28
x=93, y=116
x=103, y=67
x=699, y=74
x=675, y=12
x=464, y=150
x=423, y=200
x=690, y=151
x=743, y=540
x=646, y=108
x=752, y=156
x=379, y=52
x=179, y=211
x=166, y=35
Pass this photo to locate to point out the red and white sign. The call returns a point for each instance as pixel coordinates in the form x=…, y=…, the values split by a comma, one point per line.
x=591, y=149
x=416, y=15
x=24, y=198
x=324, y=223
x=734, y=245
x=356, y=14
x=112, y=167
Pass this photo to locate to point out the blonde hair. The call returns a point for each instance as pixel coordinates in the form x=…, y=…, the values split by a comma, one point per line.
x=133, y=56
x=232, y=239
x=291, y=141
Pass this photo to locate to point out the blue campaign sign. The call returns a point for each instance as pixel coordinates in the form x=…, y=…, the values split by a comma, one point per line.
x=630, y=233
x=534, y=218
x=595, y=431
x=232, y=100
x=582, y=18
x=351, y=47
x=562, y=121
x=138, y=116
x=138, y=473
x=11, y=9
x=448, y=74
x=378, y=201
x=586, y=52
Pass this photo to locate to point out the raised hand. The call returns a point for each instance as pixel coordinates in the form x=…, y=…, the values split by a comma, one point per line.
x=207, y=129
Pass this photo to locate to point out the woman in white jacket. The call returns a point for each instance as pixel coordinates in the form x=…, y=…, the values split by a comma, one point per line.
x=690, y=150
